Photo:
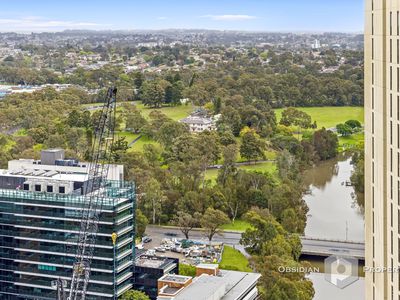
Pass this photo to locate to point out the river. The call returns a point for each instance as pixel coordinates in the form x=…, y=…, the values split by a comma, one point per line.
x=333, y=214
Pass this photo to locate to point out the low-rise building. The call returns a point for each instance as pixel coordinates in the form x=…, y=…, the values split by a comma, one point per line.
x=210, y=283
x=148, y=269
x=199, y=123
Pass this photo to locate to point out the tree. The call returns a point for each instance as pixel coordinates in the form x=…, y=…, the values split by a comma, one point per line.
x=252, y=147
x=134, y=295
x=344, y=129
x=152, y=198
x=325, y=143
x=74, y=118
x=140, y=223
x=212, y=220
x=272, y=247
x=186, y=222
x=353, y=124
x=292, y=116
x=169, y=131
x=152, y=93
x=119, y=147
x=229, y=154
x=134, y=121
x=39, y=134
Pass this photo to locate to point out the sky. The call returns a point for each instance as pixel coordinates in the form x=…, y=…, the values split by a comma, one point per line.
x=247, y=15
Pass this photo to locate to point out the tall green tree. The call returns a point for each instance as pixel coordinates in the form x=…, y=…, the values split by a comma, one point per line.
x=152, y=93
x=252, y=147
x=212, y=220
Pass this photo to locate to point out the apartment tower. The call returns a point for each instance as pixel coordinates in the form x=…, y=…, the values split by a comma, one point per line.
x=40, y=211
x=382, y=147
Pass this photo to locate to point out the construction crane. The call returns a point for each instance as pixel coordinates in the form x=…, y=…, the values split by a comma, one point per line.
x=94, y=195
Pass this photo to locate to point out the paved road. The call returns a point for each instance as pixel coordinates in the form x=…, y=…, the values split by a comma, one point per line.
x=228, y=238
x=325, y=248
x=317, y=247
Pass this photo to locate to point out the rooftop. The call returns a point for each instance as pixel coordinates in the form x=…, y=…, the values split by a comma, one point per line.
x=197, y=120
x=175, y=278
x=227, y=285
x=153, y=262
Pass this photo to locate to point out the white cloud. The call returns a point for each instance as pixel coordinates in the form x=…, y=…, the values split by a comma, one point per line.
x=229, y=17
x=162, y=18
x=39, y=24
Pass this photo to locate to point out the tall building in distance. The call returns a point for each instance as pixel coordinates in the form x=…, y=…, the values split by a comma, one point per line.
x=40, y=213
x=382, y=147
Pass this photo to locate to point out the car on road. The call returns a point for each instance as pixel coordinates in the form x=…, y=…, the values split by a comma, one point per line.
x=171, y=234
x=146, y=239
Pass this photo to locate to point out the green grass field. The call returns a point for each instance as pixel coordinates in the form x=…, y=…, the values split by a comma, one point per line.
x=330, y=116
x=129, y=137
x=238, y=225
x=212, y=174
x=174, y=112
x=233, y=259
x=352, y=141
x=139, y=144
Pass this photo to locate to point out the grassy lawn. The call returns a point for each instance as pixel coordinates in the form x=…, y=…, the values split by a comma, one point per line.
x=129, y=137
x=351, y=141
x=234, y=260
x=175, y=112
x=330, y=116
x=212, y=174
x=262, y=167
x=238, y=225
x=139, y=144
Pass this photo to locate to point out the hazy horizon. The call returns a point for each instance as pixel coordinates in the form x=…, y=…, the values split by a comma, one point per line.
x=237, y=15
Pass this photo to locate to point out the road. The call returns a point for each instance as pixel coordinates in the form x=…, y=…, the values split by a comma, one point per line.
x=228, y=238
x=315, y=247
x=325, y=248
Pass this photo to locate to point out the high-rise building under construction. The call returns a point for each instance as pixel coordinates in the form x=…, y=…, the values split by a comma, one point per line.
x=40, y=216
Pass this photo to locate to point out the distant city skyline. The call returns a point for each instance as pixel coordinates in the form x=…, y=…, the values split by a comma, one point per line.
x=250, y=15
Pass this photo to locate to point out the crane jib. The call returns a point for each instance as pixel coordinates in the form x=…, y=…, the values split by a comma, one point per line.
x=94, y=192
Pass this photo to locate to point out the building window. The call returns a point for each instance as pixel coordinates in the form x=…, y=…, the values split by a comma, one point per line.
x=373, y=123
x=391, y=78
x=398, y=196
x=391, y=23
x=398, y=136
x=398, y=83
x=373, y=98
x=47, y=268
x=373, y=74
x=391, y=242
x=61, y=189
x=49, y=188
x=398, y=165
x=373, y=49
x=391, y=187
x=373, y=172
x=398, y=108
x=391, y=160
x=398, y=223
x=398, y=54
x=391, y=133
x=373, y=147
x=398, y=25
x=38, y=187
x=391, y=50
x=372, y=23
x=391, y=214
x=373, y=202
x=26, y=186
x=391, y=106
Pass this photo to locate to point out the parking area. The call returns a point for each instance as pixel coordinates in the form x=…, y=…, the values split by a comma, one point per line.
x=192, y=251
